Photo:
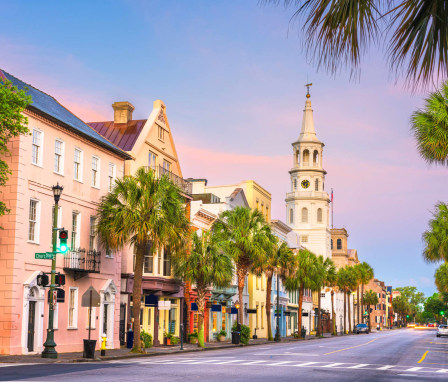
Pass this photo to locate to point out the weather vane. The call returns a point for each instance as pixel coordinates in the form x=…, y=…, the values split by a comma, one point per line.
x=308, y=89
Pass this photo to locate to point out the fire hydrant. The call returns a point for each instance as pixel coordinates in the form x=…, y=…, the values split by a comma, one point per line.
x=103, y=344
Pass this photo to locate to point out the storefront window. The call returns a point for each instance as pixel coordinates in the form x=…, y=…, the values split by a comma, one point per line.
x=215, y=321
x=223, y=326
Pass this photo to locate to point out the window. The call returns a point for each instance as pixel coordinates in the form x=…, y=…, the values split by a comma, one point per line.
x=316, y=185
x=161, y=133
x=315, y=158
x=166, y=165
x=33, y=218
x=295, y=184
x=111, y=176
x=152, y=160
x=306, y=158
x=58, y=156
x=256, y=316
x=291, y=216
x=262, y=316
x=36, y=154
x=92, y=240
x=77, y=170
x=339, y=244
x=322, y=295
x=304, y=215
x=74, y=243
x=73, y=308
x=148, y=260
x=95, y=172
x=331, y=243
x=304, y=239
x=166, y=262
x=319, y=215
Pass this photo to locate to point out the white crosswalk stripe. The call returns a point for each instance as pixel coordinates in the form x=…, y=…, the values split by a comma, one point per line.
x=333, y=365
x=359, y=366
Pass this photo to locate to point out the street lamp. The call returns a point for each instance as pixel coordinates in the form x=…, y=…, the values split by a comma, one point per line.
x=237, y=306
x=277, y=329
x=50, y=345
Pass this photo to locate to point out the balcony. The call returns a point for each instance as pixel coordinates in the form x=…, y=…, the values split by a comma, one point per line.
x=81, y=262
x=184, y=186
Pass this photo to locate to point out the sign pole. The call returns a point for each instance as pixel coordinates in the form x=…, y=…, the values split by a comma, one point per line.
x=90, y=312
x=50, y=345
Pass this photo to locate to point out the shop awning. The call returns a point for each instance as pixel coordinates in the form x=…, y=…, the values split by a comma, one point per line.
x=194, y=307
x=151, y=300
x=216, y=308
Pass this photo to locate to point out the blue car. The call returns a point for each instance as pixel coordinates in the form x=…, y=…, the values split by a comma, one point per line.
x=361, y=328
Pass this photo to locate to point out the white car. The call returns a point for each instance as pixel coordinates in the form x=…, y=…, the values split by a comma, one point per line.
x=442, y=330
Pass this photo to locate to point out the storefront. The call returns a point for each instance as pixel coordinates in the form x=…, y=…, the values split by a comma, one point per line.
x=221, y=312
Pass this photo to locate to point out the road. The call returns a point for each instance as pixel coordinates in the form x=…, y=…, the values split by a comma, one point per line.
x=399, y=355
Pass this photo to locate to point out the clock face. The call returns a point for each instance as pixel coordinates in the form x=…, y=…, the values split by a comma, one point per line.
x=305, y=183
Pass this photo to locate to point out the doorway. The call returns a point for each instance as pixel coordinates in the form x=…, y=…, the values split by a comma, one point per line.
x=31, y=325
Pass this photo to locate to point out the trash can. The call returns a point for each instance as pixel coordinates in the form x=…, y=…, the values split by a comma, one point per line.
x=89, y=349
x=235, y=338
x=303, y=332
x=130, y=339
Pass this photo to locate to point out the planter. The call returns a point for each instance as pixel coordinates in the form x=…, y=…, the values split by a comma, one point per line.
x=193, y=340
x=168, y=341
x=221, y=338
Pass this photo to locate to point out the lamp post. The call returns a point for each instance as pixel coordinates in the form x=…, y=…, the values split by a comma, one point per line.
x=50, y=345
x=277, y=329
x=237, y=306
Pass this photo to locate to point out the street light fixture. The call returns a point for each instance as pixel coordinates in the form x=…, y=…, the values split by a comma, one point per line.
x=50, y=345
x=277, y=329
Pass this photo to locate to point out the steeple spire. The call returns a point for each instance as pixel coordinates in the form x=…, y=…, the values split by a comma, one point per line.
x=308, y=133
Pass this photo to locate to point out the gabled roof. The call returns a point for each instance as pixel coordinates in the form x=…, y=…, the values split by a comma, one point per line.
x=123, y=135
x=50, y=108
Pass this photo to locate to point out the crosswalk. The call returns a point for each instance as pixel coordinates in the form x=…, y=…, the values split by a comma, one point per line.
x=279, y=363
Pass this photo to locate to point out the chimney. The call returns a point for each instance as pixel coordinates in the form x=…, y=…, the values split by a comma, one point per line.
x=122, y=112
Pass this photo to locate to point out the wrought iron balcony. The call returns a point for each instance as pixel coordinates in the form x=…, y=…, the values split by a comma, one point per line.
x=184, y=186
x=81, y=261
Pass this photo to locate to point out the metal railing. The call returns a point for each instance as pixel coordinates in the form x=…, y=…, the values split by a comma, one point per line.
x=82, y=260
x=183, y=185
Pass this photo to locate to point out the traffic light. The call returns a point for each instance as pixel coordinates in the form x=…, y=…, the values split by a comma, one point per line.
x=407, y=315
x=442, y=313
x=59, y=279
x=63, y=236
x=366, y=313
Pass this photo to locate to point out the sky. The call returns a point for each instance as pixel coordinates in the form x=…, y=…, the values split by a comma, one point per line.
x=232, y=76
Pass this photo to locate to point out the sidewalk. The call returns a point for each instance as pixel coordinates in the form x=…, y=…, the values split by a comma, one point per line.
x=124, y=353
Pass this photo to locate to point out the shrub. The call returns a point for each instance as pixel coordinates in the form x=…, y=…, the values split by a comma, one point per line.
x=175, y=340
x=222, y=333
x=193, y=335
x=244, y=334
x=146, y=339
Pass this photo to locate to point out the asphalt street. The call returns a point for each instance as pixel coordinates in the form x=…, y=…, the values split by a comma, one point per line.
x=399, y=355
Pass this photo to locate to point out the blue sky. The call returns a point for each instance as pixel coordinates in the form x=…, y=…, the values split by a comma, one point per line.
x=231, y=74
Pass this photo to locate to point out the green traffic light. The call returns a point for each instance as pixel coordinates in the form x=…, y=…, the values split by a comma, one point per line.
x=442, y=313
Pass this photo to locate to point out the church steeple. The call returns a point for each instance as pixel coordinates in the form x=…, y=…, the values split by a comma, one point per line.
x=308, y=134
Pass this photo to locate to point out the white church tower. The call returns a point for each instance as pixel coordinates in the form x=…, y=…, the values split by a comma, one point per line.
x=307, y=205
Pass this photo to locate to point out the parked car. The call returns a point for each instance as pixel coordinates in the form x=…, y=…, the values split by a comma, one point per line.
x=442, y=330
x=432, y=325
x=361, y=328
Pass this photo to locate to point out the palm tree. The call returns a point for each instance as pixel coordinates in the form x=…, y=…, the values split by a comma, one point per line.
x=244, y=234
x=205, y=265
x=370, y=298
x=358, y=272
x=430, y=127
x=365, y=275
x=337, y=33
x=302, y=277
x=441, y=278
x=279, y=258
x=145, y=212
x=435, y=238
x=331, y=282
x=351, y=284
x=321, y=280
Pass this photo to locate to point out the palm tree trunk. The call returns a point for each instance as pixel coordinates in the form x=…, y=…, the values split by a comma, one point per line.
x=345, y=313
x=268, y=305
x=358, y=318
x=348, y=308
x=200, y=300
x=362, y=299
x=299, y=310
x=333, y=318
x=241, y=275
x=318, y=333
x=188, y=303
x=137, y=294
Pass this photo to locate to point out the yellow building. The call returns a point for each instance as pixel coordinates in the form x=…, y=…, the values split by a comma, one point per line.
x=150, y=144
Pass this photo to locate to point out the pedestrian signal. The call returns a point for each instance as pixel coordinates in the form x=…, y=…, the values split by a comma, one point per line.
x=63, y=236
x=59, y=279
x=43, y=280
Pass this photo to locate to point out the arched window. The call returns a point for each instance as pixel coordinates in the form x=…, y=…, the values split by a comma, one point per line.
x=339, y=244
x=291, y=216
x=315, y=158
x=319, y=215
x=295, y=184
x=306, y=158
x=331, y=243
x=297, y=153
x=304, y=215
x=316, y=185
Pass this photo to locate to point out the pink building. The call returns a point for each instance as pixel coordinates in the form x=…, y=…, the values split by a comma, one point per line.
x=60, y=149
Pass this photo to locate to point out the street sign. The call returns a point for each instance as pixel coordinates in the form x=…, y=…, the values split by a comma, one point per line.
x=89, y=300
x=44, y=255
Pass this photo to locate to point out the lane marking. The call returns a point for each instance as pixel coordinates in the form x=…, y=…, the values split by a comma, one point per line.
x=278, y=363
x=224, y=362
x=305, y=364
x=359, y=366
x=252, y=362
x=352, y=347
x=442, y=371
x=333, y=364
x=423, y=357
x=414, y=369
x=386, y=367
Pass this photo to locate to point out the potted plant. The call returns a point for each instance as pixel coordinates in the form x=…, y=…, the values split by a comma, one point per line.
x=146, y=340
x=168, y=337
x=222, y=335
x=175, y=340
x=193, y=337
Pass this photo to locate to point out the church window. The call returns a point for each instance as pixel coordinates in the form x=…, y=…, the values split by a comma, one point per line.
x=315, y=158
x=295, y=184
x=316, y=185
x=319, y=215
x=339, y=244
x=304, y=215
x=306, y=158
x=304, y=239
x=291, y=216
x=331, y=241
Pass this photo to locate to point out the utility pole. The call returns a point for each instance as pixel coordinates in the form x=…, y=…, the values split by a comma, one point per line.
x=50, y=345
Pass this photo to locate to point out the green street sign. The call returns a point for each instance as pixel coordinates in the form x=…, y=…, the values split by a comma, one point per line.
x=44, y=255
